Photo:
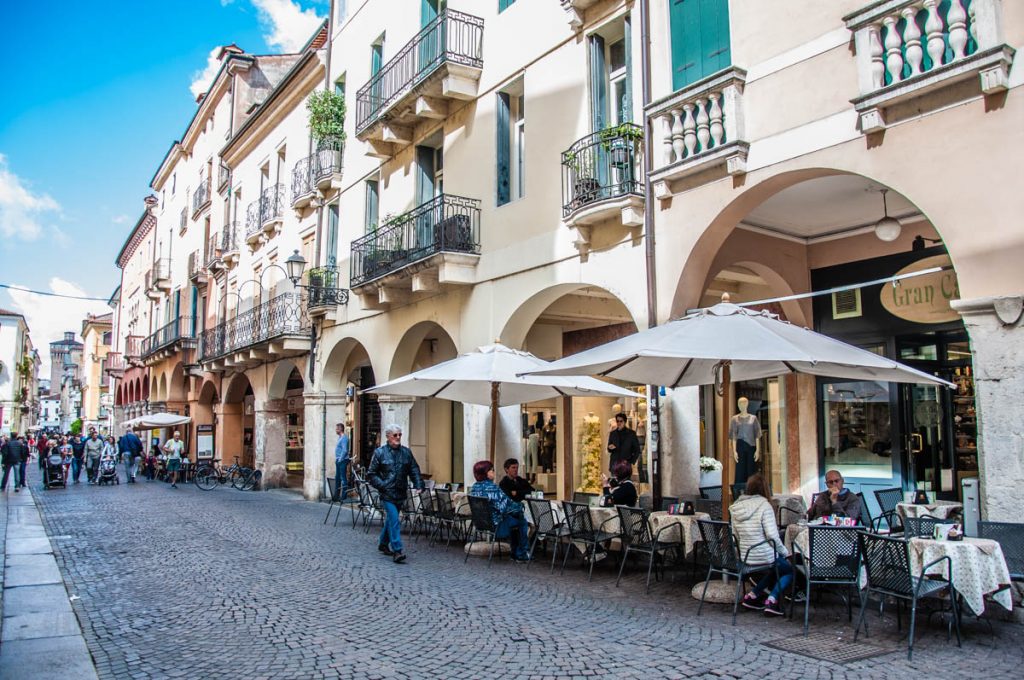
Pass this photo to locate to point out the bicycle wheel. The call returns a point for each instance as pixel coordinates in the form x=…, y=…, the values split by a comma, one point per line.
x=205, y=478
x=252, y=480
x=239, y=477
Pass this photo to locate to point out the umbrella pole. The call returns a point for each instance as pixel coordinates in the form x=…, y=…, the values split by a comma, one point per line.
x=727, y=461
x=494, y=421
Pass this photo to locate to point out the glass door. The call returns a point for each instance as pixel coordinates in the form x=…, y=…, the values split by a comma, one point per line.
x=929, y=461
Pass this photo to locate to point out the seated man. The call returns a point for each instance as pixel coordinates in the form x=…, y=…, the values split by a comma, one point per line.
x=835, y=500
x=512, y=484
x=508, y=516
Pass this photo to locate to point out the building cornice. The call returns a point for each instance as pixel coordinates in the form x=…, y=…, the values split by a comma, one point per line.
x=144, y=225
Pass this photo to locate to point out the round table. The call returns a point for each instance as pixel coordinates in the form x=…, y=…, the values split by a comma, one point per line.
x=688, y=533
x=978, y=565
x=940, y=509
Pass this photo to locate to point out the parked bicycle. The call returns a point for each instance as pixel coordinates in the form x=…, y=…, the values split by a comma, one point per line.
x=209, y=475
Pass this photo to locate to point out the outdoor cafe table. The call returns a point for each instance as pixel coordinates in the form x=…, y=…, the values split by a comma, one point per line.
x=687, y=527
x=940, y=509
x=979, y=568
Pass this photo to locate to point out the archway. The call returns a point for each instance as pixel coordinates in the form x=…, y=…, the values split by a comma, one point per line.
x=236, y=432
x=280, y=435
x=204, y=421
x=346, y=372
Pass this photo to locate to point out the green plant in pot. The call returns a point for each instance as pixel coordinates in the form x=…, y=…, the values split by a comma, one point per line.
x=621, y=140
x=584, y=186
x=326, y=119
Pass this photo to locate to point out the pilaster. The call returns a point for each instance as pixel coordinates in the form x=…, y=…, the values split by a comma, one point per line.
x=322, y=413
x=271, y=427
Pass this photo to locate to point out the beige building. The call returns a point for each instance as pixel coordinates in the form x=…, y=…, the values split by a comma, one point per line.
x=679, y=150
x=97, y=337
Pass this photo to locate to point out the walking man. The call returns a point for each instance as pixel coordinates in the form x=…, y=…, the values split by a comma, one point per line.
x=93, y=453
x=10, y=452
x=26, y=454
x=77, y=455
x=341, y=461
x=622, y=443
x=391, y=469
x=175, y=449
x=130, y=447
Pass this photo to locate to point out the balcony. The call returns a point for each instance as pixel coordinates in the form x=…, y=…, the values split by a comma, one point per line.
x=201, y=198
x=183, y=220
x=133, y=350
x=699, y=129
x=230, y=242
x=158, y=279
x=170, y=339
x=212, y=260
x=324, y=293
x=442, y=62
x=263, y=218
x=327, y=169
x=223, y=177
x=273, y=329
x=303, y=191
x=574, y=10
x=437, y=243
x=907, y=49
x=196, y=274
x=603, y=179
x=115, y=365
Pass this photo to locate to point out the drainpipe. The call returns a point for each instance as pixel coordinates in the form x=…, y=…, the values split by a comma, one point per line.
x=649, y=244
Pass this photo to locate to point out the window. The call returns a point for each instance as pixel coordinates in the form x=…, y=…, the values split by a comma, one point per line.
x=174, y=183
x=504, y=5
x=331, y=242
x=519, y=147
x=107, y=337
x=340, y=12
x=511, y=143
x=611, y=98
x=372, y=205
x=700, y=39
x=339, y=85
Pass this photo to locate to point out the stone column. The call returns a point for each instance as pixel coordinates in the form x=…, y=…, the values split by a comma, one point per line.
x=119, y=417
x=271, y=429
x=680, y=441
x=397, y=410
x=322, y=413
x=996, y=329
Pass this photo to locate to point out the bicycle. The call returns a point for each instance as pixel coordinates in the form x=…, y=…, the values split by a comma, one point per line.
x=209, y=475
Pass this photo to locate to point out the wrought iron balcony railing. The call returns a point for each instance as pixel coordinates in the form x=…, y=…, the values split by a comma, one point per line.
x=269, y=208
x=231, y=238
x=327, y=164
x=451, y=37
x=195, y=264
x=223, y=176
x=201, y=197
x=114, y=364
x=284, y=314
x=323, y=288
x=603, y=165
x=212, y=250
x=133, y=348
x=445, y=224
x=302, y=181
x=183, y=219
x=182, y=328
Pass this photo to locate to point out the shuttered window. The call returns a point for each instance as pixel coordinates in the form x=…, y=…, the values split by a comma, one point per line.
x=700, y=39
x=503, y=155
x=504, y=5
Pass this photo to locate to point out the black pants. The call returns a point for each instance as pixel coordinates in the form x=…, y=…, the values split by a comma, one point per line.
x=746, y=466
x=7, y=473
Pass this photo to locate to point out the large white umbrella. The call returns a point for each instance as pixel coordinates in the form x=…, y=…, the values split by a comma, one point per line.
x=727, y=342
x=155, y=421
x=492, y=375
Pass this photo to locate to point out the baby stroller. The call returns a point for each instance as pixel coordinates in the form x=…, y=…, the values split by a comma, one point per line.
x=53, y=473
x=108, y=471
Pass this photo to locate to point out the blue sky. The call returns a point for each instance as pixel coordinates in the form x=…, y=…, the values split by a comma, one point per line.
x=94, y=94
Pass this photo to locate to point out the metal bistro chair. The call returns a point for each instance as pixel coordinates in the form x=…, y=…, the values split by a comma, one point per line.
x=638, y=538
x=888, y=499
x=833, y=560
x=921, y=526
x=711, y=493
x=667, y=501
x=724, y=558
x=546, y=528
x=482, y=526
x=581, y=529
x=712, y=507
x=445, y=517
x=376, y=509
x=865, y=514
x=425, y=513
x=364, y=508
x=1010, y=537
x=332, y=484
x=888, y=564
x=583, y=497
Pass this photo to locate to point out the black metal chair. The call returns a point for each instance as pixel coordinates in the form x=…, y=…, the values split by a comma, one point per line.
x=724, y=558
x=581, y=529
x=424, y=512
x=445, y=517
x=638, y=538
x=833, y=559
x=1010, y=537
x=482, y=525
x=712, y=507
x=332, y=484
x=921, y=526
x=376, y=509
x=364, y=507
x=711, y=493
x=667, y=501
x=737, y=489
x=865, y=514
x=887, y=560
x=888, y=499
x=583, y=497
x=546, y=528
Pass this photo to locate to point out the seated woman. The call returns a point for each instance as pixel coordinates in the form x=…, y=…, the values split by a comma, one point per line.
x=509, y=520
x=753, y=521
x=621, y=490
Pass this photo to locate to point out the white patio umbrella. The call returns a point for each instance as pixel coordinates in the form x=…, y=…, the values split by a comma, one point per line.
x=725, y=343
x=492, y=375
x=155, y=421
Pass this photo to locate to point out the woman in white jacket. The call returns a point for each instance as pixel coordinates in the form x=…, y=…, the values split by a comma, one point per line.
x=753, y=521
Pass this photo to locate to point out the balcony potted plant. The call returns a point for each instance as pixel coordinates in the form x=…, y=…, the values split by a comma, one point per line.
x=620, y=141
x=585, y=187
x=326, y=119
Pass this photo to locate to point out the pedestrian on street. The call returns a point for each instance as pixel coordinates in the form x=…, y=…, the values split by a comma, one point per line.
x=93, y=452
x=131, y=451
x=77, y=456
x=10, y=453
x=43, y=445
x=175, y=450
x=151, y=467
x=67, y=456
x=391, y=469
x=26, y=455
x=341, y=461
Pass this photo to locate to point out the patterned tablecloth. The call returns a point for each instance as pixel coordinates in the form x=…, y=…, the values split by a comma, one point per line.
x=940, y=509
x=688, y=531
x=979, y=568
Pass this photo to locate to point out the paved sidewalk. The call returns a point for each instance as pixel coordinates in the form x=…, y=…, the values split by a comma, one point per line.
x=39, y=636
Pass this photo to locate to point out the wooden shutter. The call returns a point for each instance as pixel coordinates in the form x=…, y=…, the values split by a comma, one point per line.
x=700, y=39
x=627, y=112
x=503, y=135
x=598, y=84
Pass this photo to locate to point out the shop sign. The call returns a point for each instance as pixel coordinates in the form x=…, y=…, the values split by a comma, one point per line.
x=924, y=299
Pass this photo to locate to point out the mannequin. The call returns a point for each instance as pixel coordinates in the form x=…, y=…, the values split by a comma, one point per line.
x=549, y=442
x=745, y=433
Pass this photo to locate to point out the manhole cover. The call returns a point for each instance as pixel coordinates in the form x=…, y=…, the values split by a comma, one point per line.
x=828, y=647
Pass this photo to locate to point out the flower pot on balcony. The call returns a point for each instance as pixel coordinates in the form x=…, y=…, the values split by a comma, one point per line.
x=620, y=157
x=584, y=191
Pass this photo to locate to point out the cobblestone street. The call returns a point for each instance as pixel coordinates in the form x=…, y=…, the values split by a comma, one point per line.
x=227, y=584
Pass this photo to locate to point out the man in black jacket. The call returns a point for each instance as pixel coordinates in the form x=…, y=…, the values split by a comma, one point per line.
x=12, y=453
x=391, y=469
x=622, y=443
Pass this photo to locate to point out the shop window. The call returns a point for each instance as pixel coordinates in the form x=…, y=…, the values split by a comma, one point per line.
x=700, y=39
x=857, y=429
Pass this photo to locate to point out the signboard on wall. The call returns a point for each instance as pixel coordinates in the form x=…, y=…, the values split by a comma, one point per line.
x=924, y=299
x=204, y=441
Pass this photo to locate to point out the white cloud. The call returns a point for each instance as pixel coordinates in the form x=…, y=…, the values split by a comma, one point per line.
x=201, y=80
x=121, y=219
x=48, y=317
x=288, y=26
x=22, y=212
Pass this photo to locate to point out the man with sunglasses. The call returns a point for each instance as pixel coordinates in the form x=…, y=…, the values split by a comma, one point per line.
x=835, y=500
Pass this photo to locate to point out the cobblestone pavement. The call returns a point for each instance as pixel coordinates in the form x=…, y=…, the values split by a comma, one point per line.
x=228, y=584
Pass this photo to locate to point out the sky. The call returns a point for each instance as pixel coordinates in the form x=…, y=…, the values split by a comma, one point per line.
x=94, y=95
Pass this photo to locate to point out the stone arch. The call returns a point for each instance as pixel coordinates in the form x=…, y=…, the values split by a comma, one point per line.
x=208, y=393
x=283, y=372
x=409, y=354
x=344, y=357
x=237, y=387
x=776, y=282
x=143, y=393
x=176, y=388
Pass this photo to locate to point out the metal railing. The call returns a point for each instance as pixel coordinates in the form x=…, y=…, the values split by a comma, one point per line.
x=182, y=328
x=133, y=348
x=445, y=224
x=183, y=219
x=212, y=250
x=160, y=271
x=195, y=264
x=115, y=363
x=223, y=176
x=451, y=37
x=603, y=165
x=302, y=179
x=323, y=289
x=231, y=237
x=327, y=163
x=284, y=314
x=201, y=197
x=268, y=208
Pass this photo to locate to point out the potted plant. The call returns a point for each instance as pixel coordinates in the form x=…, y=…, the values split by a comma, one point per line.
x=585, y=188
x=621, y=141
x=326, y=119
x=710, y=472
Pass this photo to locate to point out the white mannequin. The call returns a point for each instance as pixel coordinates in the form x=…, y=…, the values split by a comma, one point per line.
x=741, y=405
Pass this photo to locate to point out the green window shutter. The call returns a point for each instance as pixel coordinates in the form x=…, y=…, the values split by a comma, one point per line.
x=504, y=5
x=598, y=84
x=502, y=149
x=715, y=36
x=376, y=58
x=700, y=39
x=332, y=236
x=627, y=111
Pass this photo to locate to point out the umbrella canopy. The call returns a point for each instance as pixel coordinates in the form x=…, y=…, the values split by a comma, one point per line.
x=155, y=421
x=757, y=344
x=492, y=375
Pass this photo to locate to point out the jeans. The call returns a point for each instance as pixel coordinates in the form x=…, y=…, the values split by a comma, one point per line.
x=785, y=577
x=94, y=469
x=340, y=479
x=391, y=532
x=21, y=474
x=7, y=473
x=76, y=468
x=515, y=528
